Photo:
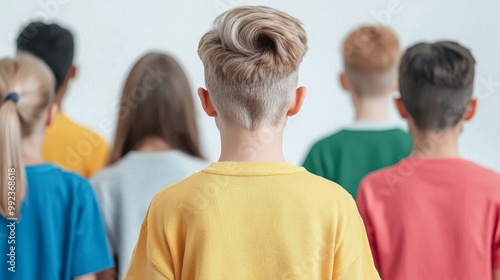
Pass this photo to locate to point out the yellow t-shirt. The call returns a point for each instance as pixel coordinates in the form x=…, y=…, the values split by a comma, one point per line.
x=252, y=221
x=74, y=147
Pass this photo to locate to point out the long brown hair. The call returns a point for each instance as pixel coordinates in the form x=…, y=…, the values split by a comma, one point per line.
x=30, y=84
x=157, y=100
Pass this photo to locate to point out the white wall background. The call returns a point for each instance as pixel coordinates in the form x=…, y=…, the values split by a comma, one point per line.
x=112, y=34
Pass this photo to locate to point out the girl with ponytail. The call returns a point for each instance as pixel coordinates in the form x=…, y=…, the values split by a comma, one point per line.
x=50, y=224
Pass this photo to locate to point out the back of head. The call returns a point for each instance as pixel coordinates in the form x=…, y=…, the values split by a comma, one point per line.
x=371, y=55
x=436, y=84
x=52, y=44
x=26, y=90
x=157, y=100
x=251, y=58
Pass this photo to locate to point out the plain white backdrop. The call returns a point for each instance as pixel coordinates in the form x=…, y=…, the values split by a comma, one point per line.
x=111, y=35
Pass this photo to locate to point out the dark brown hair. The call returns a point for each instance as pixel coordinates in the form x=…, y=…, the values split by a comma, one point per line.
x=436, y=83
x=51, y=43
x=156, y=101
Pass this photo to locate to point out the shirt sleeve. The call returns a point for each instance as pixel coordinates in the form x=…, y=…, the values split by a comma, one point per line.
x=362, y=201
x=353, y=258
x=99, y=154
x=91, y=252
x=151, y=258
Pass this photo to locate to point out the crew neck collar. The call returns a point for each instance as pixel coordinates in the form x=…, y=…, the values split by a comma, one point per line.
x=252, y=168
x=435, y=159
x=40, y=167
x=163, y=153
x=366, y=125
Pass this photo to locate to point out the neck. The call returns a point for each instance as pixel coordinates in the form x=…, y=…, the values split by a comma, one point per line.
x=32, y=148
x=442, y=144
x=260, y=145
x=153, y=144
x=60, y=92
x=372, y=109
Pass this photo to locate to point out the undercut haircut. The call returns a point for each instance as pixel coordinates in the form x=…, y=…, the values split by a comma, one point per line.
x=51, y=43
x=251, y=58
x=371, y=56
x=436, y=84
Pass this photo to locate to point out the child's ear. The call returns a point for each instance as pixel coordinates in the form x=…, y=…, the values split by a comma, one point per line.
x=52, y=112
x=401, y=108
x=73, y=70
x=298, y=100
x=343, y=82
x=471, y=109
x=206, y=102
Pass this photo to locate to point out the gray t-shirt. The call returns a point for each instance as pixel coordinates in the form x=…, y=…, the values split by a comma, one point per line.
x=125, y=189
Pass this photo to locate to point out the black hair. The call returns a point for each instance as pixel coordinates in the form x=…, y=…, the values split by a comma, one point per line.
x=51, y=43
x=436, y=83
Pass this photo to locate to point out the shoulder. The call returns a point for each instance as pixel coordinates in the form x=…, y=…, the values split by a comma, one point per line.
x=331, y=141
x=401, y=134
x=303, y=181
x=182, y=189
x=74, y=179
x=380, y=179
x=70, y=182
x=71, y=126
x=66, y=122
x=340, y=135
x=175, y=200
x=111, y=172
x=107, y=176
x=483, y=176
x=191, y=163
x=329, y=198
x=482, y=170
x=317, y=188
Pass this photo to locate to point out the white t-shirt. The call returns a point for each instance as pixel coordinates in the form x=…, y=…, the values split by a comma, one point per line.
x=125, y=189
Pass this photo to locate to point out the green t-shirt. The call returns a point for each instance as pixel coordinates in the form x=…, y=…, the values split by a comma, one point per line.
x=348, y=155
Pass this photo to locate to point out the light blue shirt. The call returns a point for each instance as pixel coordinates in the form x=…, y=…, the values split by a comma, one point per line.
x=126, y=188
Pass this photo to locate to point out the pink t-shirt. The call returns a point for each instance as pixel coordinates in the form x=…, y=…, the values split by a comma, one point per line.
x=433, y=219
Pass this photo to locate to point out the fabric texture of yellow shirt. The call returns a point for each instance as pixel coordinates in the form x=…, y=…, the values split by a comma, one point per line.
x=252, y=221
x=74, y=147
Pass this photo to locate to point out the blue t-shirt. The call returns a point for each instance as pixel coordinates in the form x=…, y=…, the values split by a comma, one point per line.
x=60, y=234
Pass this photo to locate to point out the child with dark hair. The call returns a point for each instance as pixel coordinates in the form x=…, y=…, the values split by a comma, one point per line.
x=67, y=143
x=434, y=215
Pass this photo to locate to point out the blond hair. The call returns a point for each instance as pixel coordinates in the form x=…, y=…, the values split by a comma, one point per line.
x=251, y=58
x=371, y=56
x=33, y=82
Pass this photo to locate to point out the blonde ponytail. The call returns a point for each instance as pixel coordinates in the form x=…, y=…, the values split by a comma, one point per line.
x=11, y=166
x=32, y=84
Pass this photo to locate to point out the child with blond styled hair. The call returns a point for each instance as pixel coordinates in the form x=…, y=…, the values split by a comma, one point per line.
x=252, y=215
